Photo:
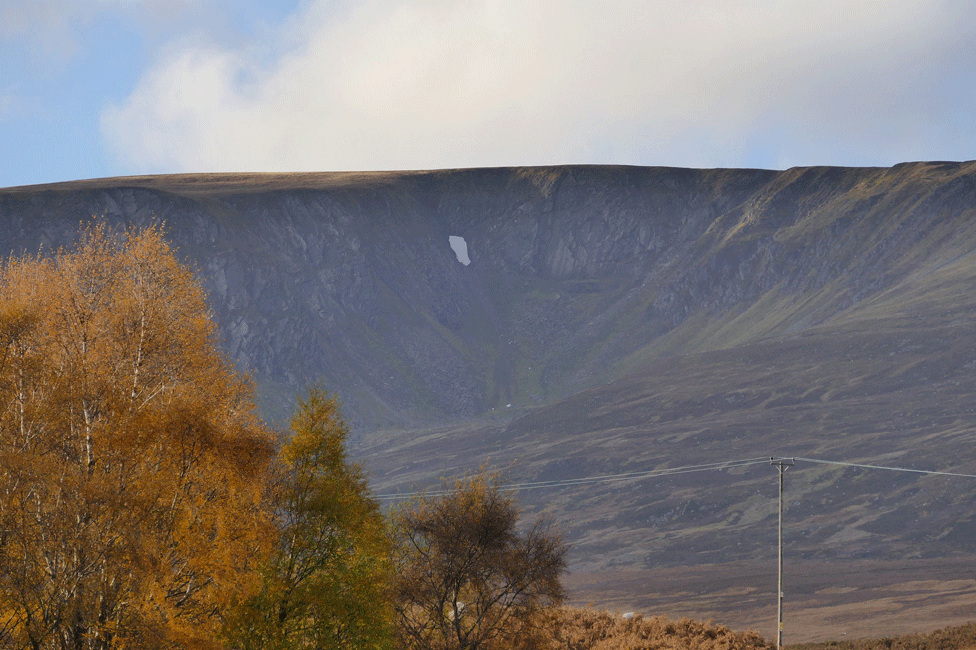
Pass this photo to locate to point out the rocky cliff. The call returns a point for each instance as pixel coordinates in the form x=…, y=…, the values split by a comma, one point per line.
x=578, y=274
x=613, y=320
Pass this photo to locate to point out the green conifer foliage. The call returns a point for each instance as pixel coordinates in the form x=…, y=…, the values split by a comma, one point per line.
x=326, y=585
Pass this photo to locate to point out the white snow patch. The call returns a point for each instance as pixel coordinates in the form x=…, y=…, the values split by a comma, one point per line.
x=460, y=248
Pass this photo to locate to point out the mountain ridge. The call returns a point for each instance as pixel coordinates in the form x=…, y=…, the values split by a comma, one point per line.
x=611, y=319
x=657, y=245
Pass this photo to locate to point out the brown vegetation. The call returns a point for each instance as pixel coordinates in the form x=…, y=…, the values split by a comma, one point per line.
x=950, y=638
x=583, y=629
x=466, y=578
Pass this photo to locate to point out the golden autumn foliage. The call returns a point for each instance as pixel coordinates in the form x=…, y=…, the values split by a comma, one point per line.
x=131, y=459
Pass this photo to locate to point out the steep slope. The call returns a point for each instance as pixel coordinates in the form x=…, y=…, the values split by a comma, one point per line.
x=617, y=319
x=578, y=274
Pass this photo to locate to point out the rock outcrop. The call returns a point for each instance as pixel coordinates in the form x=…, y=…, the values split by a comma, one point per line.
x=613, y=320
x=577, y=273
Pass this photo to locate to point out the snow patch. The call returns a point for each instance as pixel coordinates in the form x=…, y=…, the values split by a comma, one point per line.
x=460, y=248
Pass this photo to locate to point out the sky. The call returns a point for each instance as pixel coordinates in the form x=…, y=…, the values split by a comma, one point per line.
x=97, y=88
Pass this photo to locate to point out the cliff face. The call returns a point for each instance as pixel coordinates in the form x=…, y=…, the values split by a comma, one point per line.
x=612, y=320
x=577, y=276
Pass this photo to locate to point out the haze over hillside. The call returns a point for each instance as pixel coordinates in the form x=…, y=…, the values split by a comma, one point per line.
x=614, y=319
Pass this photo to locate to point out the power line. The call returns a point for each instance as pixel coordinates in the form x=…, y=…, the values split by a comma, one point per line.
x=782, y=463
x=890, y=469
x=671, y=471
x=608, y=478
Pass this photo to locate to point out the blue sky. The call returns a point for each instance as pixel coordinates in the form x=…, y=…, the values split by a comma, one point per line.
x=93, y=88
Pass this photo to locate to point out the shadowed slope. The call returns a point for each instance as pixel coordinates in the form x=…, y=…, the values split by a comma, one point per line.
x=578, y=274
x=614, y=319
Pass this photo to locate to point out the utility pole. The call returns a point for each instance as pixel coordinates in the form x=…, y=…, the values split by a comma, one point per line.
x=782, y=464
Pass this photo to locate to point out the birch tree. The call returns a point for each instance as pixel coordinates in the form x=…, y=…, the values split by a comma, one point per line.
x=466, y=577
x=131, y=458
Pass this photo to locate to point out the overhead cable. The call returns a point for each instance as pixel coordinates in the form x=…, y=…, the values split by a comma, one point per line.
x=890, y=469
x=667, y=471
x=608, y=478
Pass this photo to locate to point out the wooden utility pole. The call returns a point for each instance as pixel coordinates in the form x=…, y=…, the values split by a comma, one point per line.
x=782, y=464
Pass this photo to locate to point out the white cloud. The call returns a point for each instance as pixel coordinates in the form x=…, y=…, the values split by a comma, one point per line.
x=425, y=84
